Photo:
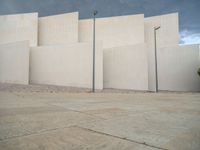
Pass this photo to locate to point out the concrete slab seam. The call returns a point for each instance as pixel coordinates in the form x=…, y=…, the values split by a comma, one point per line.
x=122, y=138
x=35, y=133
x=88, y=114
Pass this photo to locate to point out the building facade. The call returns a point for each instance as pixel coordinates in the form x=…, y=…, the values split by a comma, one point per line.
x=58, y=50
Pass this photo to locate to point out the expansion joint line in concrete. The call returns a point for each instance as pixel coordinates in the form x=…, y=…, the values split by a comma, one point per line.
x=88, y=114
x=81, y=112
x=35, y=133
x=122, y=138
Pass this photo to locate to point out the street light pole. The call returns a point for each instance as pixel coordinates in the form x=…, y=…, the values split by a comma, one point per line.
x=156, y=66
x=94, y=30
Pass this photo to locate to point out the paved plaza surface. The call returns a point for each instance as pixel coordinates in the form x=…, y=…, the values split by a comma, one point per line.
x=52, y=118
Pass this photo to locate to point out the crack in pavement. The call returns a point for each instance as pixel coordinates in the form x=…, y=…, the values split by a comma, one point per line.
x=122, y=138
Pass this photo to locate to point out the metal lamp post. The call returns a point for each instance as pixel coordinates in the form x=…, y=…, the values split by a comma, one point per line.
x=93, y=72
x=156, y=66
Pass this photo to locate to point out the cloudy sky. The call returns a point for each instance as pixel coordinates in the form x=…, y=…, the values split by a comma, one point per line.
x=189, y=10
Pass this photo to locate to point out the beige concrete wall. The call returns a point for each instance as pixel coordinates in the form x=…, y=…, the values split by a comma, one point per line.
x=58, y=29
x=114, y=31
x=19, y=27
x=167, y=35
x=14, y=62
x=126, y=67
x=67, y=65
x=177, y=68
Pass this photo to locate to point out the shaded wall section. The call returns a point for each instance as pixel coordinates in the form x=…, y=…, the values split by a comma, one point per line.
x=14, y=62
x=67, y=65
x=58, y=29
x=177, y=68
x=114, y=31
x=167, y=35
x=126, y=67
x=19, y=27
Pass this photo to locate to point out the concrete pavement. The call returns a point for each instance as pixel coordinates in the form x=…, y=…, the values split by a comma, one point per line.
x=106, y=120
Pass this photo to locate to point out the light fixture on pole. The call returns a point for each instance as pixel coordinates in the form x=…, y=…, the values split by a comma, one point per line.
x=156, y=66
x=94, y=30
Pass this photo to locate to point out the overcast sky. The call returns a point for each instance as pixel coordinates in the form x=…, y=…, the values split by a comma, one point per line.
x=189, y=10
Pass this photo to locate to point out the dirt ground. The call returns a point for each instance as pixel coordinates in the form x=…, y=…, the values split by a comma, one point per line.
x=59, y=118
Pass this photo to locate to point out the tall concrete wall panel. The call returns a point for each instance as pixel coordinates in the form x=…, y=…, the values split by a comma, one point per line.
x=66, y=65
x=58, y=29
x=177, y=68
x=14, y=62
x=19, y=27
x=126, y=67
x=114, y=31
x=167, y=35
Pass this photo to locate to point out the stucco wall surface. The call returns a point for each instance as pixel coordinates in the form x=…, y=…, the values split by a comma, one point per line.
x=19, y=27
x=114, y=31
x=177, y=68
x=58, y=29
x=14, y=62
x=167, y=35
x=126, y=67
x=67, y=65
